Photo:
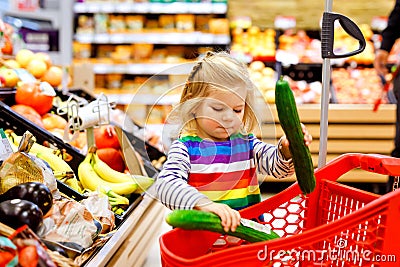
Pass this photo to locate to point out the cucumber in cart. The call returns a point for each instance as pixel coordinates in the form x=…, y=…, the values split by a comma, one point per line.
x=201, y=220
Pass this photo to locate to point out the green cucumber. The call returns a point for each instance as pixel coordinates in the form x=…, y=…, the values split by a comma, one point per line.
x=290, y=123
x=202, y=220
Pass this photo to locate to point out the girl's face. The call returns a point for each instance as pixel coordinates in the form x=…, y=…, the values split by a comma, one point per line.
x=220, y=114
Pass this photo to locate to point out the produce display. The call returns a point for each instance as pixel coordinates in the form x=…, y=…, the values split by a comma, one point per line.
x=357, y=85
x=30, y=67
x=297, y=47
x=254, y=43
x=201, y=220
x=104, y=189
x=290, y=123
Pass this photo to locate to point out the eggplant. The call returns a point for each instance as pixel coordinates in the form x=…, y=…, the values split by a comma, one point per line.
x=18, y=212
x=35, y=192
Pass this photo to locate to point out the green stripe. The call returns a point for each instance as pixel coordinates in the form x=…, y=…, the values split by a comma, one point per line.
x=3, y=134
x=199, y=139
x=241, y=202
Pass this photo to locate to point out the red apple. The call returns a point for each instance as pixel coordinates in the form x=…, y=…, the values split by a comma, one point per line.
x=106, y=136
x=113, y=158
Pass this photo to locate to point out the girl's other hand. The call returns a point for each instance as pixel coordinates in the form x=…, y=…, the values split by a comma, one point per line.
x=230, y=218
x=285, y=142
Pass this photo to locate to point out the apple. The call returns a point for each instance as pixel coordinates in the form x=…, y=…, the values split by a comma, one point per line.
x=37, y=67
x=106, y=136
x=53, y=76
x=44, y=57
x=2, y=81
x=10, y=76
x=113, y=158
x=23, y=57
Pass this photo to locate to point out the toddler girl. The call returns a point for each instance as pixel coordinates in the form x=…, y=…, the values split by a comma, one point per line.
x=213, y=164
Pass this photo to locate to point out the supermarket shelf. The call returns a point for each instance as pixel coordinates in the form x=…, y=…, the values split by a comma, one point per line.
x=143, y=68
x=152, y=8
x=179, y=38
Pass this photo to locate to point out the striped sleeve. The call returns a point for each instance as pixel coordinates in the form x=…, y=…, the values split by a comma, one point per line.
x=171, y=186
x=270, y=161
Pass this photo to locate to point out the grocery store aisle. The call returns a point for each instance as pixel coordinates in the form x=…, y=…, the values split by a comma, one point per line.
x=153, y=258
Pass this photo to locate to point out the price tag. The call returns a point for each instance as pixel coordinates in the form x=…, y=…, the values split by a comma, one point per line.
x=5, y=147
x=379, y=23
x=285, y=22
x=255, y=225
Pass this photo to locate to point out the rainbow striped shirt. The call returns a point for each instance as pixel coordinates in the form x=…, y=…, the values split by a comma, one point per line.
x=224, y=172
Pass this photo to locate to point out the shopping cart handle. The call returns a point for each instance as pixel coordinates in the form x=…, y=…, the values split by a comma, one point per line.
x=380, y=164
x=376, y=163
x=327, y=35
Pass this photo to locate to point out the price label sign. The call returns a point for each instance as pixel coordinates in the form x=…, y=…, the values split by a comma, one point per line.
x=285, y=22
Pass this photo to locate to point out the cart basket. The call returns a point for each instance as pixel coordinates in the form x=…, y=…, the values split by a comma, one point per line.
x=335, y=225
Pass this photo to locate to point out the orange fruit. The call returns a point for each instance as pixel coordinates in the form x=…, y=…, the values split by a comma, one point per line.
x=53, y=76
x=23, y=57
x=37, y=67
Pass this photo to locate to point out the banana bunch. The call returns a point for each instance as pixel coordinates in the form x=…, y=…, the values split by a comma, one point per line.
x=105, y=177
x=61, y=169
x=110, y=175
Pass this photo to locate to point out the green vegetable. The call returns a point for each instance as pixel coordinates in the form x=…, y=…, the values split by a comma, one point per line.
x=201, y=220
x=290, y=123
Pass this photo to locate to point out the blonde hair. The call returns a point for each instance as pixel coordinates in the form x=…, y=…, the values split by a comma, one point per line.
x=215, y=71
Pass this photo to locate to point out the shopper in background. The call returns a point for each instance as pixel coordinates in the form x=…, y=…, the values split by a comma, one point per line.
x=389, y=36
x=212, y=165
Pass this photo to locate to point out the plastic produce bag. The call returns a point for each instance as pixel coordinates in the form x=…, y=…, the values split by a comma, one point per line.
x=20, y=167
x=70, y=224
x=99, y=206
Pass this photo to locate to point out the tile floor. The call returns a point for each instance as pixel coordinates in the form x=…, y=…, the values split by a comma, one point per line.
x=153, y=258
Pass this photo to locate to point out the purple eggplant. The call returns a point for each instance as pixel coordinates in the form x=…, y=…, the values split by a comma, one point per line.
x=35, y=192
x=18, y=212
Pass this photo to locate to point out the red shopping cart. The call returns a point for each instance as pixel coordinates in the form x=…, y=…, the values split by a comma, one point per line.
x=336, y=225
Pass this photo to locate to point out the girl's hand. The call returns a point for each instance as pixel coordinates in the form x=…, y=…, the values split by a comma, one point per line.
x=230, y=218
x=285, y=142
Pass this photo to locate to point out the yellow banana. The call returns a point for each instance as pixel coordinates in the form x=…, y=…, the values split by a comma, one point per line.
x=113, y=176
x=107, y=173
x=36, y=148
x=92, y=181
